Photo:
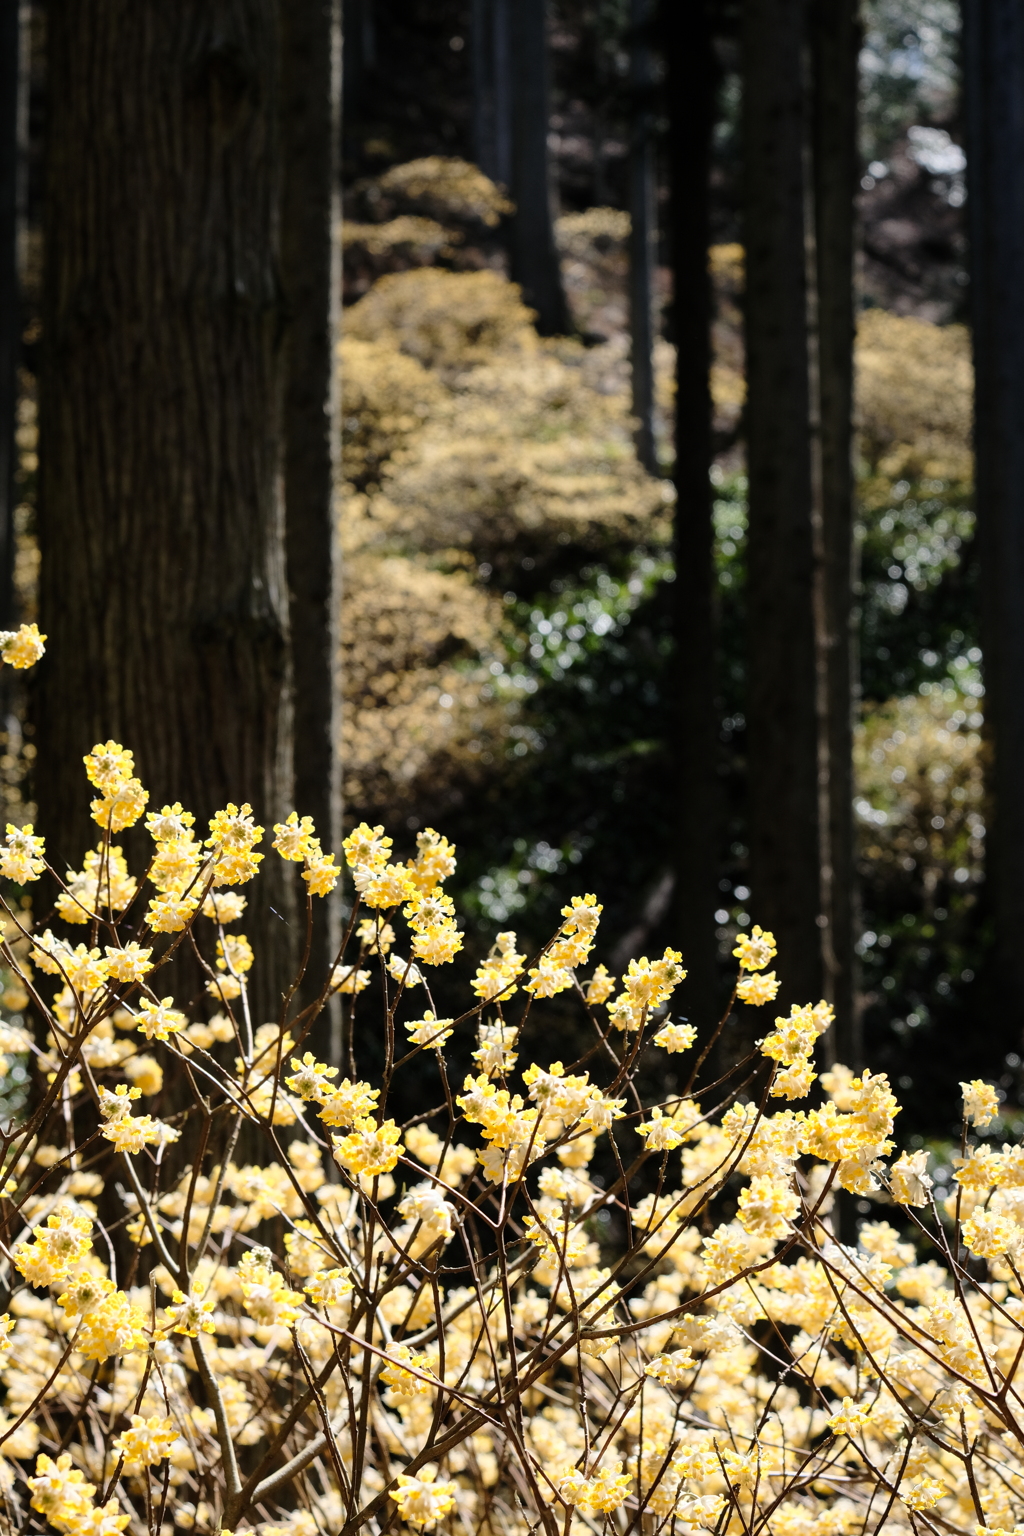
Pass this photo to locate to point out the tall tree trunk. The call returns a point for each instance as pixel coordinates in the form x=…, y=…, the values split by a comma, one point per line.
x=492, y=117
x=311, y=280
x=163, y=585
x=690, y=90
x=643, y=232
x=834, y=48
x=994, y=58
x=11, y=171
x=535, y=264
x=782, y=717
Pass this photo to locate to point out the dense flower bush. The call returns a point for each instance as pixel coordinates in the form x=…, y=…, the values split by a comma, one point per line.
x=459, y=1321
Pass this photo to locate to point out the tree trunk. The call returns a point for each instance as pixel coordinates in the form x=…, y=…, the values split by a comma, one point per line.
x=311, y=280
x=492, y=119
x=643, y=231
x=690, y=66
x=163, y=585
x=835, y=45
x=12, y=103
x=994, y=59
x=535, y=265
x=782, y=718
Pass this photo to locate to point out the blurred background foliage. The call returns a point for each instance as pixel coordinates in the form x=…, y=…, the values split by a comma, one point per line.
x=508, y=652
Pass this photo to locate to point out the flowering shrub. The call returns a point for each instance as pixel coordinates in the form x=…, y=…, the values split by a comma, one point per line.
x=459, y=1321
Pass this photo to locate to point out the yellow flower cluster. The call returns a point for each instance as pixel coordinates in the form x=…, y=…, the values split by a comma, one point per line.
x=548, y=1302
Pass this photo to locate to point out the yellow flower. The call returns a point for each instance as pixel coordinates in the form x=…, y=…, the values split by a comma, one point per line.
x=146, y=1443
x=601, y=986
x=170, y=913
x=755, y=949
x=22, y=647
x=108, y=765
x=329, y=1288
x=115, y=1327
x=370, y=1149
x=158, y=1021
x=295, y=838
x=22, y=856
x=909, y=1180
x=311, y=1078
x=59, y=1491
x=757, y=990
x=437, y=945
x=224, y=906
x=675, y=1037
x=190, y=1315
x=366, y=848
x=397, y=1375
x=388, y=887
x=434, y=861
x=428, y=1030
x=348, y=1102
x=121, y=806
x=422, y=1501
x=981, y=1102
x=767, y=1206
x=129, y=963
x=321, y=877
x=234, y=830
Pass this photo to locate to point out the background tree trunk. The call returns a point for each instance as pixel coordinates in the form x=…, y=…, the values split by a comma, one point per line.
x=311, y=280
x=163, y=585
x=994, y=60
x=11, y=173
x=690, y=92
x=534, y=258
x=782, y=720
x=643, y=228
x=492, y=119
x=835, y=41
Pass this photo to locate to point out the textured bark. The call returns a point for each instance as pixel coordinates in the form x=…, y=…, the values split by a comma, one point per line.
x=643, y=228
x=994, y=57
x=492, y=117
x=535, y=264
x=690, y=93
x=162, y=584
x=782, y=719
x=835, y=39
x=11, y=102
x=311, y=280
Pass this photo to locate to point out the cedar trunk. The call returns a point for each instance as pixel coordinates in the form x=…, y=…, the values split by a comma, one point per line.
x=994, y=58
x=311, y=280
x=161, y=516
x=643, y=232
x=835, y=39
x=534, y=259
x=691, y=72
x=782, y=716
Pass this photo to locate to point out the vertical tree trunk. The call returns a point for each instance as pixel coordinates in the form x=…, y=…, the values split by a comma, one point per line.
x=643, y=233
x=492, y=121
x=690, y=90
x=534, y=261
x=834, y=46
x=994, y=59
x=11, y=103
x=311, y=281
x=782, y=719
x=163, y=584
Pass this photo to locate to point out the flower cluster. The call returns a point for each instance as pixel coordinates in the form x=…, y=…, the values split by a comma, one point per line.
x=279, y=1295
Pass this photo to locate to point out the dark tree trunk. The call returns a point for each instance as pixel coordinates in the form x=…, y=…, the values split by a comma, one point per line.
x=994, y=58
x=782, y=718
x=643, y=232
x=492, y=116
x=534, y=261
x=163, y=584
x=311, y=278
x=834, y=47
x=11, y=172
x=690, y=90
